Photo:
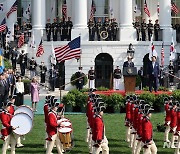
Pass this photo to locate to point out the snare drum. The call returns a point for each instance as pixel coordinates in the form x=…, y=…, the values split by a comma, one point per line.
x=25, y=109
x=65, y=136
x=22, y=122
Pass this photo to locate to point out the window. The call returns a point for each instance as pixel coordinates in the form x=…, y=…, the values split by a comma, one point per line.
x=176, y=18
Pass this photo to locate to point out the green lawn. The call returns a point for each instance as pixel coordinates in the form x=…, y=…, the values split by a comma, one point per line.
x=115, y=132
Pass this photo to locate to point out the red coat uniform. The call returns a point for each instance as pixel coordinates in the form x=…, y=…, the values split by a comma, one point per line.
x=178, y=121
x=52, y=124
x=168, y=113
x=132, y=113
x=173, y=118
x=90, y=113
x=128, y=111
x=98, y=129
x=46, y=111
x=147, y=128
x=139, y=124
x=11, y=110
x=135, y=119
x=6, y=119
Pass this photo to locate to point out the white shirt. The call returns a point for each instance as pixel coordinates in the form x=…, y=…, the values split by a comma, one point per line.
x=153, y=63
x=19, y=87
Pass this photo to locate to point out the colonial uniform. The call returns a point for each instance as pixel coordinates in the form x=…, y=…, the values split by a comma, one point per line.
x=43, y=70
x=99, y=139
x=6, y=132
x=178, y=131
x=127, y=119
x=52, y=126
x=117, y=77
x=91, y=77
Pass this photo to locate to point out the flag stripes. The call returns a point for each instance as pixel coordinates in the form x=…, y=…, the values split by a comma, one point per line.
x=12, y=9
x=146, y=10
x=3, y=25
x=40, y=49
x=21, y=40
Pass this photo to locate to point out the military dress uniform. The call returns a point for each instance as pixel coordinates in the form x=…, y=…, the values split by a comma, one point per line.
x=137, y=27
x=43, y=70
x=29, y=29
x=80, y=81
x=178, y=131
x=65, y=30
x=114, y=25
x=54, y=30
x=171, y=71
x=48, y=31
x=91, y=77
x=150, y=30
x=52, y=78
x=69, y=26
x=107, y=28
x=143, y=30
x=98, y=29
x=23, y=63
x=14, y=55
x=91, y=26
x=117, y=77
x=156, y=31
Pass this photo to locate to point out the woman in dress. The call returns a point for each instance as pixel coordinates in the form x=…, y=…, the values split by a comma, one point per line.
x=19, y=92
x=34, y=89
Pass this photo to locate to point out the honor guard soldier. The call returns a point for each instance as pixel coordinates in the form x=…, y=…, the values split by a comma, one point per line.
x=106, y=26
x=137, y=27
x=114, y=29
x=48, y=30
x=69, y=26
x=150, y=30
x=29, y=28
x=147, y=136
x=65, y=29
x=60, y=27
x=80, y=81
x=23, y=62
x=55, y=30
x=143, y=30
x=43, y=70
x=91, y=77
x=14, y=55
x=91, y=26
x=98, y=29
x=156, y=30
x=6, y=131
x=117, y=77
x=171, y=71
x=98, y=134
x=52, y=129
x=32, y=67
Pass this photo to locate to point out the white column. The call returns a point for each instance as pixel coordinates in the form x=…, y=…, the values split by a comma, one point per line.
x=165, y=19
x=38, y=14
x=11, y=19
x=127, y=32
x=80, y=19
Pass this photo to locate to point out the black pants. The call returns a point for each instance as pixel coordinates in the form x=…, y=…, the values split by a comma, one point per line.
x=1, y=100
x=19, y=99
x=23, y=67
x=153, y=82
x=14, y=64
x=143, y=35
x=52, y=83
x=156, y=35
x=79, y=86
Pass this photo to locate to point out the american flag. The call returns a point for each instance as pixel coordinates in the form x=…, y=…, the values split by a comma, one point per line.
x=40, y=50
x=174, y=8
x=162, y=55
x=21, y=40
x=146, y=10
x=3, y=25
x=93, y=9
x=158, y=9
x=12, y=9
x=69, y=51
x=64, y=10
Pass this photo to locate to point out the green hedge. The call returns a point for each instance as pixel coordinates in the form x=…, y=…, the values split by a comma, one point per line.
x=115, y=102
x=73, y=77
x=7, y=64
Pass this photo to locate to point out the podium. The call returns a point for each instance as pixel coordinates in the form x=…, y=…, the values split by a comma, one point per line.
x=129, y=74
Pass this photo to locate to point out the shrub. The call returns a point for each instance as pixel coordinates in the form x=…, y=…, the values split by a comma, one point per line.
x=102, y=89
x=146, y=88
x=73, y=77
x=69, y=99
x=159, y=102
x=176, y=94
x=148, y=97
x=105, y=99
x=162, y=88
x=116, y=101
x=27, y=83
x=138, y=80
x=7, y=64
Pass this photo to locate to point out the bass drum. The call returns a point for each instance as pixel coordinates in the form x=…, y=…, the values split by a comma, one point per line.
x=22, y=122
x=25, y=109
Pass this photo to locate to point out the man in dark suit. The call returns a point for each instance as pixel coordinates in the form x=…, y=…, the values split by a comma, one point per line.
x=52, y=77
x=128, y=63
x=2, y=89
x=80, y=81
x=153, y=73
